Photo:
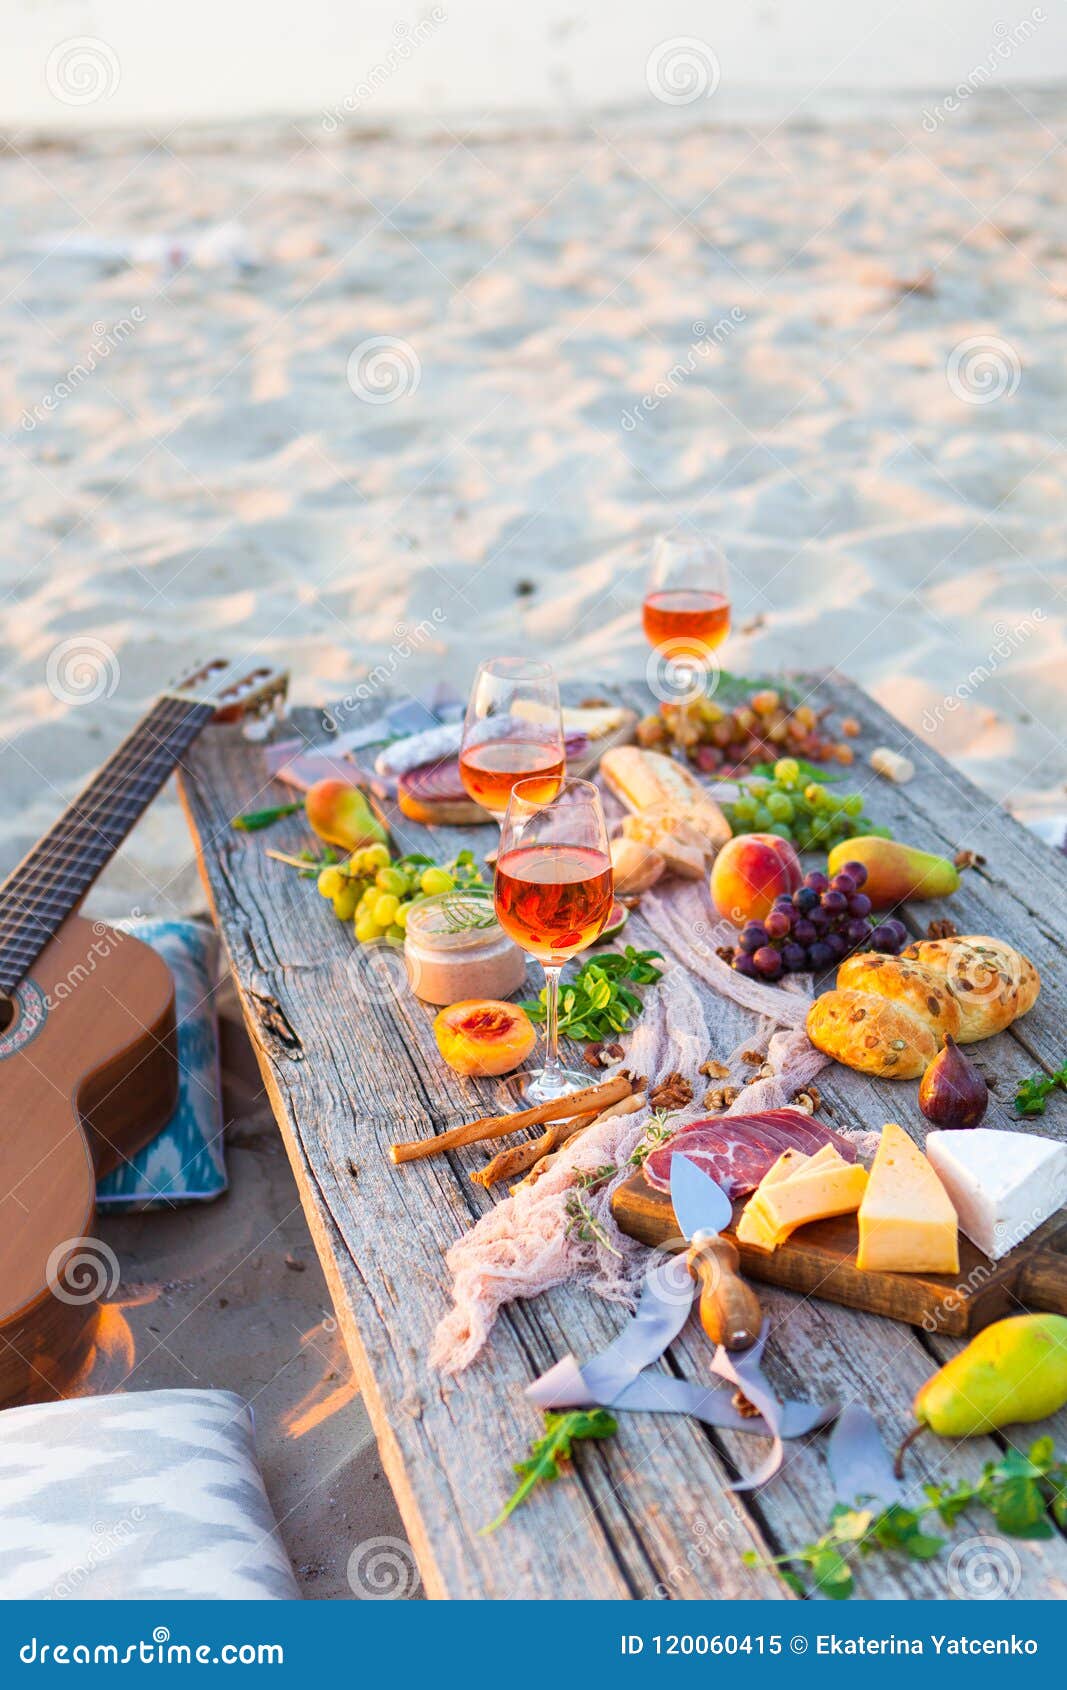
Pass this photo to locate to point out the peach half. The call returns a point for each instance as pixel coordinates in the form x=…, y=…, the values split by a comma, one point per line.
x=484, y=1036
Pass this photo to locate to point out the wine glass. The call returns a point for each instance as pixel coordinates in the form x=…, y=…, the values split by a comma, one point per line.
x=513, y=731
x=686, y=610
x=553, y=892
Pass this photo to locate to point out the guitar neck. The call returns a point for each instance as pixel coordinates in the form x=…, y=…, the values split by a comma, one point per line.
x=52, y=879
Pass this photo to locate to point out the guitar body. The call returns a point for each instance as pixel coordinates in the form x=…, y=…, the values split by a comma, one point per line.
x=88, y=1074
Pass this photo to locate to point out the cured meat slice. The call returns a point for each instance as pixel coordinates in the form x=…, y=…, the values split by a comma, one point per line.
x=737, y=1150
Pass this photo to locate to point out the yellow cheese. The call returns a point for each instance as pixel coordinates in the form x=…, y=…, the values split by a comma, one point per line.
x=815, y=1194
x=754, y=1227
x=907, y=1223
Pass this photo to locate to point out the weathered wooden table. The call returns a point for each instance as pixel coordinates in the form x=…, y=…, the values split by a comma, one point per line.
x=350, y=1064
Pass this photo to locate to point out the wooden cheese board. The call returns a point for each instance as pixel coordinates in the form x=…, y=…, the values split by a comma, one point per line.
x=819, y=1260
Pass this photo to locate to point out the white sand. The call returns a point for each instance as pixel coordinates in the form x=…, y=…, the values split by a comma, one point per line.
x=215, y=483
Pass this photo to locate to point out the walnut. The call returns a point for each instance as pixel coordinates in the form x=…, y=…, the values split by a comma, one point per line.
x=673, y=1092
x=720, y=1097
x=725, y=953
x=715, y=1070
x=752, y=1058
x=942, y=930
x=593, y=1054
x=810, y=1100
x=747, y=1410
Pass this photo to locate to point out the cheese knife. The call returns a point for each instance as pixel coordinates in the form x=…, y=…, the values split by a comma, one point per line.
x=729, y=1309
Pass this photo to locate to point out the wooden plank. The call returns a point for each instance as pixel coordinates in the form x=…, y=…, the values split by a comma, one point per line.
x=332, y=1036
x=349, y=1061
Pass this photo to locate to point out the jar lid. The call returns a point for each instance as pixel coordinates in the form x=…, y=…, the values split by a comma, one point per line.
x=454, y=920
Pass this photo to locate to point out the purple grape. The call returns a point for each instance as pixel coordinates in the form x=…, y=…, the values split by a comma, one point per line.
x=816, y=881
x=743, y=964
x=820, y=918
x=838, y=945
x=884, y=938
x=835, y=903
x=898, y=928
x=767, y=962
x=804, y=932
x=806, y=899
x=843, y=883
x=856, y=872
x=752, y=937
x=778, y=924
x=820, y=955
x=784, y=901
x=859, y=904
x=795, y=957
x=857, y=932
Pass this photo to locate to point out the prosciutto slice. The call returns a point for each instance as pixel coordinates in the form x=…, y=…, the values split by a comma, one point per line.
x=737, y=1150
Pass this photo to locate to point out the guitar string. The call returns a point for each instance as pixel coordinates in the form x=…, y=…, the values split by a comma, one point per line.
x=55, y=860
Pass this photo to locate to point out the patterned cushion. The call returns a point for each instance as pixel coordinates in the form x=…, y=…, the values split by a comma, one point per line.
x=151, y=1495
x=185, y=1163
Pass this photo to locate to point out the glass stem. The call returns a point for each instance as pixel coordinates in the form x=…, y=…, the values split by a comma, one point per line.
x=551, y=1018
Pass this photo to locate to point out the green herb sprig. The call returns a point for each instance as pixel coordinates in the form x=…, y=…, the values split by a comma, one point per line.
x=1032, y=1094
x=253, y=820
x=1019, y=1491
x=598, y=1003
x=548, y=1452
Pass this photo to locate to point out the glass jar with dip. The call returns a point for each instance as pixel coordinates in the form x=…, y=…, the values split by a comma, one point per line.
x=454, y=948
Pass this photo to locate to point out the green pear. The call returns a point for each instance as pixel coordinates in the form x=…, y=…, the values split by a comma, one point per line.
x=1015, y=1369
x=895, y=871
x=339, y=813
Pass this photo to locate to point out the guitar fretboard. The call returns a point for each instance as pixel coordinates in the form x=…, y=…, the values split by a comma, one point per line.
x=53, y=878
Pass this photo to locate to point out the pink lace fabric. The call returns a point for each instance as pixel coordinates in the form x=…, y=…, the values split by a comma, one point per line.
x=534, y=1240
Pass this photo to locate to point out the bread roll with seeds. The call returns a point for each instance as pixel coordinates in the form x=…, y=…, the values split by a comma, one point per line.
x=872, y=1034
x=992, y=983
x=905, y=983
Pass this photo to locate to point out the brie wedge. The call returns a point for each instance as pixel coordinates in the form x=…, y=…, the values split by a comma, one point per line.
x=1002, y=1184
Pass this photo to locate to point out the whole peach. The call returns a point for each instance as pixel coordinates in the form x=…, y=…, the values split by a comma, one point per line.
x=750, y=872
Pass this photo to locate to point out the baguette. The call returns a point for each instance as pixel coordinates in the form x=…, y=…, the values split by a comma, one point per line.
x=647, y=780
x=891, y=1015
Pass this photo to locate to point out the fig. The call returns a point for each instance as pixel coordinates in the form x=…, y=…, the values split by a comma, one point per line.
x=952, y=1093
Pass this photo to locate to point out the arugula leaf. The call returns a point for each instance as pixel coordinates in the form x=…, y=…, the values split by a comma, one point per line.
x=253, y=820
x=808, y=771
x=1031, y=1096
x=549, y=1451
x=597, y=1004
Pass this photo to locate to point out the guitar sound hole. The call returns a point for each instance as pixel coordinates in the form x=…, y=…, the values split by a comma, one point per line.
x=7, y=1013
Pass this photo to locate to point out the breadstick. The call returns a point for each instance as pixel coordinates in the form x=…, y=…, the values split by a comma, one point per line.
x=498, y=1126
x=628, y=1106
x=519, y=1157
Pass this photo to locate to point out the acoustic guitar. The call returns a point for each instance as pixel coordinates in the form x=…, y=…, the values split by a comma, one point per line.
x=88, y=1053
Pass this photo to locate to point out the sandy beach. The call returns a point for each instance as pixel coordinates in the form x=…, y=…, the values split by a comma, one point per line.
x=426, y=396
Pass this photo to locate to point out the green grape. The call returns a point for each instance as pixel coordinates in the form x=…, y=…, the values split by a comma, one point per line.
x=385, y=907
x=744, y=808
x=331, y=881
x=401, y=918
x=759, y=788
x=814, y=794
x=853, y=805
x=436, y=880
x=344, y=903
x=762, y=819
x=367, y=929
x=787, y=771
x=391, y=880
x=376, y=856
x=780, y=806
x=781, y=830
x=395, y=933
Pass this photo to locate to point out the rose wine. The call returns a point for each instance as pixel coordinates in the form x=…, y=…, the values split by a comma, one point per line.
x=553, y=900
x=687, y=614
x=490, y=770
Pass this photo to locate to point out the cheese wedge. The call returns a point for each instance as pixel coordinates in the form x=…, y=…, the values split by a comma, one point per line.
x=754, y=1227
x=906, y=1221
x=813, y=1195
x=1002, y=1184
